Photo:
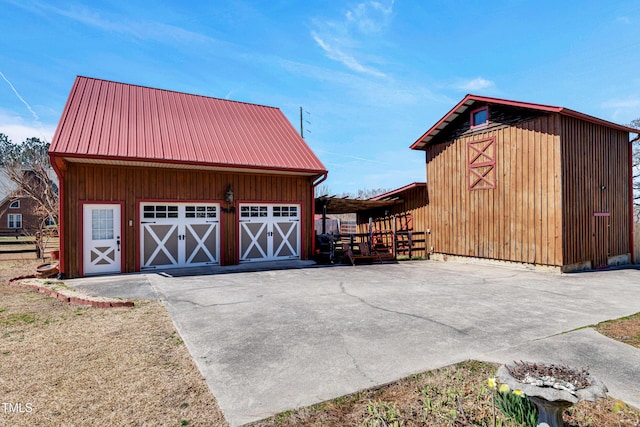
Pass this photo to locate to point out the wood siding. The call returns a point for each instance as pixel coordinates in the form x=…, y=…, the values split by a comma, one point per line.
x=414, y=203
x=520, y=219
x=129, y=185
x=595, y=180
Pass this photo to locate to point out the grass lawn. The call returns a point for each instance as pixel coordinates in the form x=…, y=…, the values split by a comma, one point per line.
x=67, y=365
x=82, y=366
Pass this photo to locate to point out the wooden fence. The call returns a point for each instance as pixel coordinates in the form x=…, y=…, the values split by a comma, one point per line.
x=24, y=247
x=386, y=244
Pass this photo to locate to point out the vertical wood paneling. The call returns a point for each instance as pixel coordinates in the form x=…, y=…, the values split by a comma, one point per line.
x=131, y=184
x=516, y=221
x=414, y=201
x=594, y=156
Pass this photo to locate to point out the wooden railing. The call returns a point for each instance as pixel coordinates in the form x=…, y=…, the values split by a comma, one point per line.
x=385, y=244
x=410, y=242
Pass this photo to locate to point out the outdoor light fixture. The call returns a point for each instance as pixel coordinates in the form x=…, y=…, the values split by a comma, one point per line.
x=228, y=196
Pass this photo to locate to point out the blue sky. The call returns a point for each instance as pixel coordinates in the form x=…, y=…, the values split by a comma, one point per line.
x=372, y=75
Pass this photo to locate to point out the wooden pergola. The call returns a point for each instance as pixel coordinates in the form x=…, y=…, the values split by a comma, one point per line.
x=342, y=205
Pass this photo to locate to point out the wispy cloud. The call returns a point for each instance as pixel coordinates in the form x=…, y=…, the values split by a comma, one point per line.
x=15, y=91
x=138, y=28
x=622, y=103
x=343, y=40
x=622, y=110
x=336, y=53
x=370, y=17
x=473, y=85
x=368, y=91
x=17, y=129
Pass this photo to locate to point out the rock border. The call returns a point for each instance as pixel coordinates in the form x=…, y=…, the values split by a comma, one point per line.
x=55, y=289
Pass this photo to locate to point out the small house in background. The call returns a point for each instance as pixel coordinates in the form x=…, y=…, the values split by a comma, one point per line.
x=19, y=213
x=153, y=179
x=528, y=183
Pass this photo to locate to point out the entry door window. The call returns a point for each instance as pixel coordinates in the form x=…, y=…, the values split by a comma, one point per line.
x=102, y=224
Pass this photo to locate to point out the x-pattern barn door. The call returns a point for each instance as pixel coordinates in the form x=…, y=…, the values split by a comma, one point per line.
x=179, y=235
x=269, y=232
x=481, y=164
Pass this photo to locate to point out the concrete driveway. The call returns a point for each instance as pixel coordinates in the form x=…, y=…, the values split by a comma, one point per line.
x=274, y=340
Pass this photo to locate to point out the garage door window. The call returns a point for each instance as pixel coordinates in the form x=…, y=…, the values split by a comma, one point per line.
x=253, y=211
x=160, y=211
x=281, y=211
x=200, y=212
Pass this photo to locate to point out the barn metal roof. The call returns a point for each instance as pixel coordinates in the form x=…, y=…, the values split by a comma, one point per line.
x=470, y=100
x=342, y=205
x=119, y=123
x=394, y=194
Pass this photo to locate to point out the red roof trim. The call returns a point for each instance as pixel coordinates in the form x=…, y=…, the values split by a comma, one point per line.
x=113, y=121
x=399, y=190
x=470, y=99
x=107, y=159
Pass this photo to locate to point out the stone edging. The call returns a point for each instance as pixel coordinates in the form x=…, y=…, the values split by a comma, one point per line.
x=71, y=296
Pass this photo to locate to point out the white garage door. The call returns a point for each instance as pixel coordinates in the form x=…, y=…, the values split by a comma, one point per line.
x=269, y=232
x=179, y=235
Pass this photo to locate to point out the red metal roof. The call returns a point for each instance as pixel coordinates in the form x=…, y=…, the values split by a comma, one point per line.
x=118, y=122
x=398, y=191
x=470, y=100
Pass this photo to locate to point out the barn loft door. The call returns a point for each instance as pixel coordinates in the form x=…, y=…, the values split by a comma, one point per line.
x=600, y=239
x=481, y=164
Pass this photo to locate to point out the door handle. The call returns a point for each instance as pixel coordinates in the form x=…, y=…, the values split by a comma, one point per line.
x=118, y=242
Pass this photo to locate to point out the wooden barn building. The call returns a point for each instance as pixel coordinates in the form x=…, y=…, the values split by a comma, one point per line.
x=400, y=226
x=528, y=183
x=152, y=179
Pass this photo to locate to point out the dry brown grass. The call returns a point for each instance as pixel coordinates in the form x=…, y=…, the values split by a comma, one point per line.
x=91, y=366
x=456, y=395
x=626, y=330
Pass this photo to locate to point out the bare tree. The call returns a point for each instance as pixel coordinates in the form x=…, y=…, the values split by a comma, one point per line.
x=322, y=190
x=27, y=165
x=361, y=194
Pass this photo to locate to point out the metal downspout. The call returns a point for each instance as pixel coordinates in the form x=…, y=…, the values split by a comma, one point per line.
x=313, y=209
x=631, y=210
x=61, y=219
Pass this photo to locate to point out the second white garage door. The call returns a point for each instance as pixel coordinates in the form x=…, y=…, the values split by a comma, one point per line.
x=269, y=232
x=179, y=235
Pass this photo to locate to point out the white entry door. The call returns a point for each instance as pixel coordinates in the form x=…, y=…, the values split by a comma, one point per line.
x=269, y=232
x=179, y=235
x=101, y=239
